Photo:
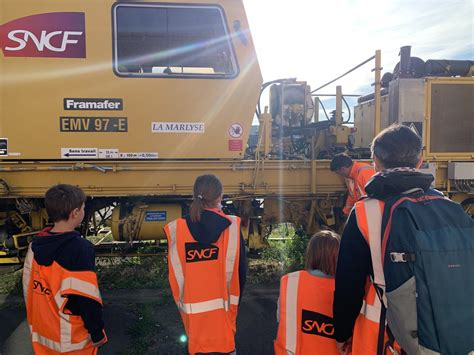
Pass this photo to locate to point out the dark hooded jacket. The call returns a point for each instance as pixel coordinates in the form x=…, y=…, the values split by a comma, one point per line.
x=354, y=263
x=209, y=229
x=73, y=253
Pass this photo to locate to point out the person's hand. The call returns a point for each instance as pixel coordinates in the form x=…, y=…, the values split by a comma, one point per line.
x=345, y=348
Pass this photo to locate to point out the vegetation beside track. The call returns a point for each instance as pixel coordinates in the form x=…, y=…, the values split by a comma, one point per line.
x=285, y=254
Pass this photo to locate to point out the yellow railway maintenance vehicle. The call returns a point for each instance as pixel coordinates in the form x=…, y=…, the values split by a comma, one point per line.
x=131, y=100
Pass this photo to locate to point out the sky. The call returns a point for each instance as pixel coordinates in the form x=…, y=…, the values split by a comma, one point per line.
x=317, y=40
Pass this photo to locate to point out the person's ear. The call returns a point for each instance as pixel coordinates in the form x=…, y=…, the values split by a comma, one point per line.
x=74, y=213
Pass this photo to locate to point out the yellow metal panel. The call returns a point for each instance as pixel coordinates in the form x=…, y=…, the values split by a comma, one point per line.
x=32, y=92
x=293, y=178
x=428, y=154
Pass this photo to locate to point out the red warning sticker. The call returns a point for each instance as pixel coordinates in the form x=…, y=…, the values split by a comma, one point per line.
x=236, y=145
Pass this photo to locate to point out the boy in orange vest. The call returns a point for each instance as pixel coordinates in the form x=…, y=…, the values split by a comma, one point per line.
x=306, y=298
x=63, y=302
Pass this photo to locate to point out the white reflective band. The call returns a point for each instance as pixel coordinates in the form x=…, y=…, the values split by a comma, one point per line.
x=374, y=225
x=59, y=299
x=45, y=341
x=291, y=310
x=372, y=312
x=73, y=283
x=234, y=299
x=206, y=306
x=57, y=346
x=174, y=257
x=27, y=272
x=232, y=245
x=65, y=330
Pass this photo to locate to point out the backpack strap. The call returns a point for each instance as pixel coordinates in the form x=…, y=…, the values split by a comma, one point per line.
x=403, y=257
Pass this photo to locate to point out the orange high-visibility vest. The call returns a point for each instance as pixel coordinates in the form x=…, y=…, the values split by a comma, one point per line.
x=53, y=329
x=360, y=174
x=305, y=315
x=204, y=280
x=366, y=330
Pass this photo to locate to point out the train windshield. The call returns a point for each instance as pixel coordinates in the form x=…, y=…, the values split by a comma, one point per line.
x=172, y=40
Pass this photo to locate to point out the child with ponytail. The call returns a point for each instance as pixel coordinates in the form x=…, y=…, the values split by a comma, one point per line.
x=207, y=269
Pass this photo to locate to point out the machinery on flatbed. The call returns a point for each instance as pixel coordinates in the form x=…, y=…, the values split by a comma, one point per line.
x=131, y=101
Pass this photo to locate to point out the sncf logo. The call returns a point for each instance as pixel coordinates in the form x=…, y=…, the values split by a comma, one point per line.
x=57, y=34
x=40, y=288
x=317, y=324
x=201, y=252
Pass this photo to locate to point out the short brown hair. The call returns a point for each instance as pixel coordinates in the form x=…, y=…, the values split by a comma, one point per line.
x=397, y=146
x=322, y=251
x=60, y=200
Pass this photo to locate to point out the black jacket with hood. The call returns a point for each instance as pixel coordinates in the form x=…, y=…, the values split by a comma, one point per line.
x=208, y=231
x=73, y=253
x=354, y=262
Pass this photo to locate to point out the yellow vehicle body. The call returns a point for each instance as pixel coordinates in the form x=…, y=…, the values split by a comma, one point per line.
x=44, y=108
x=93, y=95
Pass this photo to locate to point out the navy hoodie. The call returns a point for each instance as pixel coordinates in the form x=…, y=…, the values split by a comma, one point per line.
x=73, y=253
x=208, y=231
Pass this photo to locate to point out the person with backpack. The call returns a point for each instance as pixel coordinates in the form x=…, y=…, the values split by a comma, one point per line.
x=207, y=269
x=406, y=262
x=305, y=304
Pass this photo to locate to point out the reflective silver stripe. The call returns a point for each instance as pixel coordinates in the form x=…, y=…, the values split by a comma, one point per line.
x=206, y=306
x=57, y=346
x=65, y=329
x=372, y=312
x=234, y=299
x=291, y=310
x=37, y=338
x=232, y=246
x=27, y=272
x=74, y=283
x=174, y=257
x=374, y=225
x=80, y=285
x=59, y=299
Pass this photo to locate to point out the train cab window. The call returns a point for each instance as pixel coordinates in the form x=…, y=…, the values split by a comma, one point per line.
x=158, y=40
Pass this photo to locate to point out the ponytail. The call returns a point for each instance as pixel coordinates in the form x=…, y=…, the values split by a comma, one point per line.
x=207, y=189
x=197, y=206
